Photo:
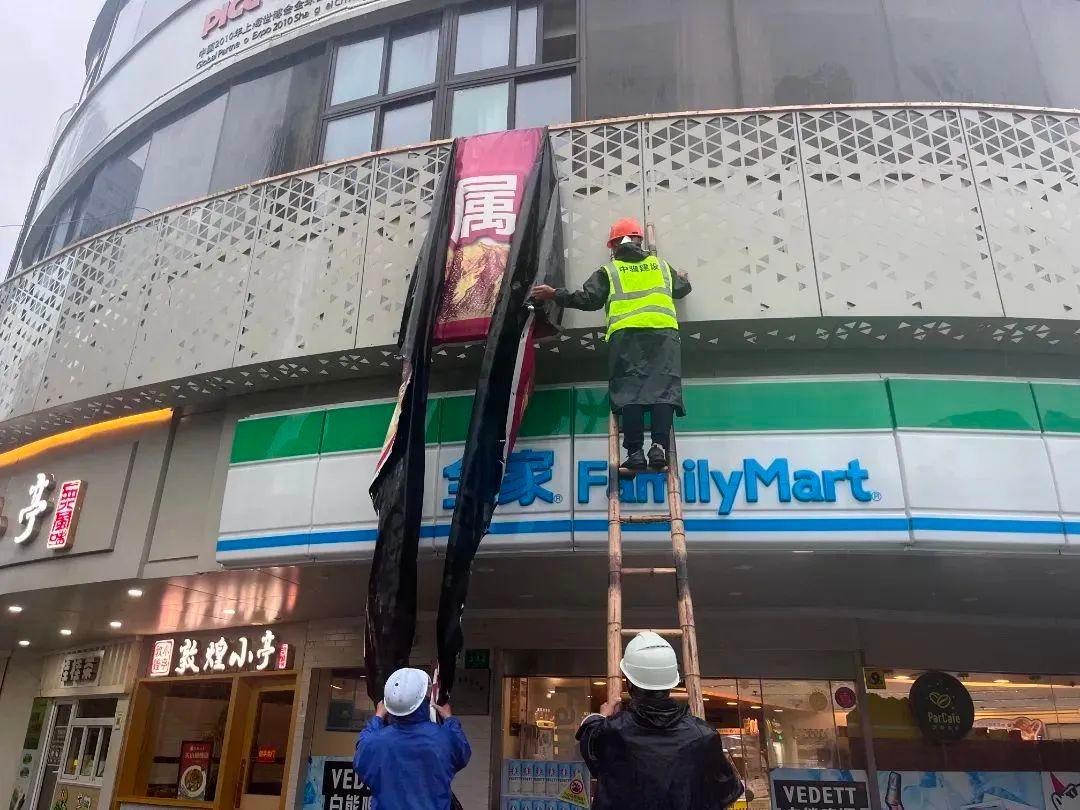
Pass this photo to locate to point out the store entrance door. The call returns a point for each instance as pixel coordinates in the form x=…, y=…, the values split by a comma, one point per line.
x=266, y=747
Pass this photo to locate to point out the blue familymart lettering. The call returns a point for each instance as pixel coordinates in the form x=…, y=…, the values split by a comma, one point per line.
x=699, y=481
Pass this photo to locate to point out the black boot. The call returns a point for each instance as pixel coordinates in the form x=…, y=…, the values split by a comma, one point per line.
x=658, y=457
x=635, y=463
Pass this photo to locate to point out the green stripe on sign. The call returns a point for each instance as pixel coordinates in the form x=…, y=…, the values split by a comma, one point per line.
x=765, y=406
x=1059, y=407
x=548, y=414
x=284, y=436
x=963, y=405
x=363, y=427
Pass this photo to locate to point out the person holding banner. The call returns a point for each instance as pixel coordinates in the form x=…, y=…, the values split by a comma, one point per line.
x=409, y=762
x=638, y=291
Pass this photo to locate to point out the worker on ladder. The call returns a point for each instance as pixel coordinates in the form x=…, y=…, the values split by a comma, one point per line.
x=638, y=291
x=655, y=755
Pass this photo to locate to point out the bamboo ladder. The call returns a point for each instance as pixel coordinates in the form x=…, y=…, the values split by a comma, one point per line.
x=674, y=519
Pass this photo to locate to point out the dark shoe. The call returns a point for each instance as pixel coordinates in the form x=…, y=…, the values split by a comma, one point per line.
x=658, y=457
x=635, y=463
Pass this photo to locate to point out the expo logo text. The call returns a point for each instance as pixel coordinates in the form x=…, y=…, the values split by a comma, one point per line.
x=528, y=472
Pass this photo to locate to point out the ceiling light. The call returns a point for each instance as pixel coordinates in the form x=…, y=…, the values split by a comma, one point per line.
x=64, y=631
x=1002, y=680
x=732, y=703
x=735, y=593
x=229, y=611
x=24, y=643
x=755, y=707
x=599, y=683
x=803, y=551
x=778, y=711
x=115, y=625
x=335, y=686
x=902, y=677
x=134, y=593
x=14, y=608
x=706, y=700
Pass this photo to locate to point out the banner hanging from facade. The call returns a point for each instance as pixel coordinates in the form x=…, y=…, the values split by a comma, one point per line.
x=502, y=392
x=495, y=231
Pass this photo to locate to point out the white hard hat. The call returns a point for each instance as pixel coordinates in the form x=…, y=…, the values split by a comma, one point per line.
x=650, y=663
x=405, y=691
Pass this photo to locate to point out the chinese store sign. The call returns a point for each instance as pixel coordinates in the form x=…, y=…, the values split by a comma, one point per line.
x=194, y=657
x=61, y=532
x=81, y=668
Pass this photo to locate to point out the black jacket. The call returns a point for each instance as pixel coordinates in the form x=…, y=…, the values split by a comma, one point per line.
x=657, y=756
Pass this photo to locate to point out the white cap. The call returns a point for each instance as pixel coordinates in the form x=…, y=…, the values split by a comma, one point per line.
x=405, y=691
x=650, y=663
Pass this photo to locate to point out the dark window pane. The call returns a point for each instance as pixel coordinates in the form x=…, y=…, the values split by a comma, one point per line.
x=479, y=110
x=687, y=59
x=412, y=60
x=62, y=226
x=406, y=126
x=542, y=102
x=357, y=72
x=483, y=40
x=560, y=30
x=961, y=51
x=348, y=137
x=112, y=195
x=253, y=120
x=813, y=52
x=526, y=35
x=181, y=158
x=1053, y=25
x=96, y=708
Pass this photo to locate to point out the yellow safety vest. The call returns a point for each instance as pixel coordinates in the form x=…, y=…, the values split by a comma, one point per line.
x=639, y=295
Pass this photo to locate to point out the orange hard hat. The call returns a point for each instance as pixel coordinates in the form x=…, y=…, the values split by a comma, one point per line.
x=624, y=227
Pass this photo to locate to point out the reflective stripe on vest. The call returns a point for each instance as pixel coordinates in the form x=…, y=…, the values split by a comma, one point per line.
x=639, y=295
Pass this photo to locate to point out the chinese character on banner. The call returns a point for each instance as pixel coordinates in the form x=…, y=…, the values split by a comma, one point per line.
x=28, y=517
x=68, y=502
x=215, y=655
x=189, y=651
x=523, y=481
x=485, y=204
x=238, y=659
x=161, y=660
x=267, y=651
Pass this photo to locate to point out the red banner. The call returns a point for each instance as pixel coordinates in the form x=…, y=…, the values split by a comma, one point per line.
x=490, y=172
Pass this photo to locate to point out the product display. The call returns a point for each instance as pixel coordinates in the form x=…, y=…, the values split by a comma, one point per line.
x=541, y=783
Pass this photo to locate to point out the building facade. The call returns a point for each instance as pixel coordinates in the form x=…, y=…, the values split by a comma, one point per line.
x=878, y=206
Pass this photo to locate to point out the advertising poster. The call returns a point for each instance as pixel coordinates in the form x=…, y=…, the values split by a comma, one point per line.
x=961, y=790
x=332, y=784
x=819, y=789
x=194, y=769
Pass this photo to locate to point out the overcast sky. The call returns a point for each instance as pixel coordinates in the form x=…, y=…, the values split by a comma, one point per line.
x=42, y=47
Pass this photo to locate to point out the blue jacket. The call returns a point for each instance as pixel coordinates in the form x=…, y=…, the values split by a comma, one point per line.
x=410, y=762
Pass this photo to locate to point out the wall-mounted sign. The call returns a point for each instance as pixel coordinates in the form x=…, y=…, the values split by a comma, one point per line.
x=942, y=706
x=814, y=795
x=194, y=657
x=845, y=697
x=194, y=769
x=874, y=679
x=266, y=755
x=31, y=517
x=81, y=668
x=478, y=659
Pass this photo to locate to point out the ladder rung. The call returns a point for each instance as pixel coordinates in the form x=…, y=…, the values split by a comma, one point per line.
x=670, y=632
x=648, y=570
x=665, y=518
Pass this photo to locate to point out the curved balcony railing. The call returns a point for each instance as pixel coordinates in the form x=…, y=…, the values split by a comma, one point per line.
x=889, y=226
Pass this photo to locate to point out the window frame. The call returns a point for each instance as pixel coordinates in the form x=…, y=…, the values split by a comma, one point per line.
x=104, y=726
x=441, y=91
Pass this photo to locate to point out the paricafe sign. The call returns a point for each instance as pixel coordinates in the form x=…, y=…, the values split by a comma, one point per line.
x=942, y=706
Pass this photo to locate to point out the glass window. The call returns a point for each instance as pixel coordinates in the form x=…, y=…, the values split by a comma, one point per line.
x=74, y=751
x=546, y=101
x=93, y=737
x=1053, y=26
x=103, y=752
x=112, y=195
x=154, y=14
x=96, y=708
x=357, y=71
x=123, y=33
x=254, y=119
x=528, y=17
x=483, y=40
x=61, y=228
x=270, y=744
x=348, y=137
x=560, y=30
x=349, y=707
x=480, y=109
x=178, y=712
x=412, y=60
x=405, y=126
x=181, y=158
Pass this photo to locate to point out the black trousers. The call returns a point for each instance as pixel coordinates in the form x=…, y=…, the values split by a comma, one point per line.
x=633, y=425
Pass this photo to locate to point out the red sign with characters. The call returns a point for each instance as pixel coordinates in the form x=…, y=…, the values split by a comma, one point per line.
x=266, y=756
x=66, y=515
